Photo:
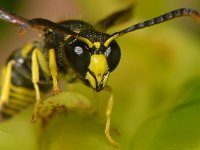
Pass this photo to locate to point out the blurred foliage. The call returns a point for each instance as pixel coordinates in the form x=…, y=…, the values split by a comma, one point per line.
x=156, y=87
x=8, y=5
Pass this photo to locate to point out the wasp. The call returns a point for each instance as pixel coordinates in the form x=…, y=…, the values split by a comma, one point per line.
x=74, y=47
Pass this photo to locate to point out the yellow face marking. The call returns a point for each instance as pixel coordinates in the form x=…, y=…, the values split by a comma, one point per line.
x=50, y=30
x=98, y=66
x=67, y=37
x=108, y=41
x=88, y=42
x=97, y=45
x=26, y=49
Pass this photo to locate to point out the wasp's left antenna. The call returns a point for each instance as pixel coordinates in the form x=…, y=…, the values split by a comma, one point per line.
x=40, y=23
x=12, y=18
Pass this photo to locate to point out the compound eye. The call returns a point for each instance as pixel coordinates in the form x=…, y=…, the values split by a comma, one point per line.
x=77, y=55
x=113, y=55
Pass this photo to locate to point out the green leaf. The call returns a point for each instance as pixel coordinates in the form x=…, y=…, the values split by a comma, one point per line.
x=19, y=133
x=176, y=129
x=64, y=101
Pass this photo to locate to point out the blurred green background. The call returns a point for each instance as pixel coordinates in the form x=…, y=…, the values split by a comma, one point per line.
x=156, y=85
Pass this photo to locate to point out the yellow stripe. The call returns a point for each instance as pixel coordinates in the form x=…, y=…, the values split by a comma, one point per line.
x=109, y=40
x=26, y=49
x=87, y=41
x=22, y=90
x=67, y=37
x=19, y=103
x=22, y=97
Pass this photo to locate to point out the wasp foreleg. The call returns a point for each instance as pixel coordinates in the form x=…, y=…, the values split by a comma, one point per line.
x=7, y=84
x=35, y=80
x=53, y=70
x=108, y=115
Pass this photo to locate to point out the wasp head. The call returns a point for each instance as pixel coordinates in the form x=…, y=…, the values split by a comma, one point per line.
x=91, y=58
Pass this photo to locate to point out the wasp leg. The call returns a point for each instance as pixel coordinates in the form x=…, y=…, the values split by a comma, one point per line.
x=108, y=115
x=7, y=84
x=35, y=79
x=53, y=70
x=43, y=63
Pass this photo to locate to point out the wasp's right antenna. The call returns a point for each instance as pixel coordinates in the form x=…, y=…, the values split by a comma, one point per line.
x=160, y=19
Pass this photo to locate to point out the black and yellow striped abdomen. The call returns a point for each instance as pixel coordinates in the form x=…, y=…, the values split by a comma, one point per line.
x=22, y=93
x=20, y=98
